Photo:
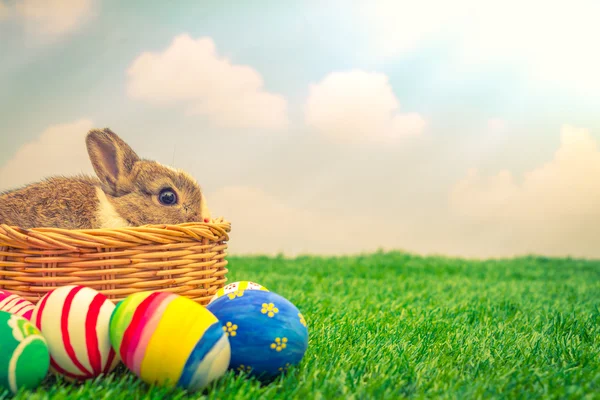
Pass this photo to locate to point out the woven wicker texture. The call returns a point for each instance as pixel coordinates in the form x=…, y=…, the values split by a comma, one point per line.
x=187, y=259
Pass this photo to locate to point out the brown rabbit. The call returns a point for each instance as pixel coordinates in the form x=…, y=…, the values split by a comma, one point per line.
x=130, y=191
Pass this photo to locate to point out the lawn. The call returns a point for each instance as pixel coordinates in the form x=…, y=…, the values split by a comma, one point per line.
x=394, y=325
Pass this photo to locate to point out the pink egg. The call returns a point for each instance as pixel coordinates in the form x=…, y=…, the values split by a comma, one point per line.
x=75, y=322
x=16, y=305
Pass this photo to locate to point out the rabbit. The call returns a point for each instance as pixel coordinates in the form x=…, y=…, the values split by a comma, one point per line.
x=128, y=191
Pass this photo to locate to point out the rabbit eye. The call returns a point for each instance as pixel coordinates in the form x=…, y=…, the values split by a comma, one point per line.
x=167, y=197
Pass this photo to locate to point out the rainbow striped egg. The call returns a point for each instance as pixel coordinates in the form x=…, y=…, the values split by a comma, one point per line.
x=74, y=320
x=237, y=288
x=170, y=340
x=13, y=304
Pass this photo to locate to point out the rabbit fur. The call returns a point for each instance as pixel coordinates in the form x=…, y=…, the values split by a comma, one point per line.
x=128, y=191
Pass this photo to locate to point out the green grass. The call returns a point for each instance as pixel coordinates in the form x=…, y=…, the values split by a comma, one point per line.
x=392, y=325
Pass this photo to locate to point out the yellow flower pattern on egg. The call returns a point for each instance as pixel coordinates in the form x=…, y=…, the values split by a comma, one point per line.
x=279, y=344
x=284, y=368
x=302, y=320
x=239, y=286
x=237, y=293
x=230, y=329
x=244, y=368
x=269, y=309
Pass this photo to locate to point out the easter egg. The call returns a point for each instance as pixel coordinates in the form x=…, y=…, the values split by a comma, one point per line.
x=14, y=304
x=267, y=332
x=74, y=320
x=24, y=356
x=170, y=340
x=234, y=287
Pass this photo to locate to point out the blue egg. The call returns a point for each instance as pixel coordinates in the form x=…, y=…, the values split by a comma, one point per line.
x=267, y=333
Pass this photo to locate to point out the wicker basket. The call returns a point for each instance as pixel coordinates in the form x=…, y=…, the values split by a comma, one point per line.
x=187, y=259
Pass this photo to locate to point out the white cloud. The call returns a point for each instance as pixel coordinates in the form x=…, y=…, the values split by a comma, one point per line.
x=49, y=17
x=191, y=73
x=555, y=210
x=58, y=150
x=357, y=106
x=549, y=41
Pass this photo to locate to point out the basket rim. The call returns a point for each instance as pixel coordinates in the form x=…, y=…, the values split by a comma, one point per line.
x=49, y=238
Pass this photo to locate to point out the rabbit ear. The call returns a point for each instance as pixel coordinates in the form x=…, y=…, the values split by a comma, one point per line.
x=111, y=158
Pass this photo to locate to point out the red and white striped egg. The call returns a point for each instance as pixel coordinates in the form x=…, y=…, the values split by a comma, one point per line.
x=75, y=322
x=14, y=304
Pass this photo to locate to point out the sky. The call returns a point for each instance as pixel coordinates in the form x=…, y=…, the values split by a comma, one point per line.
x=466, y=128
